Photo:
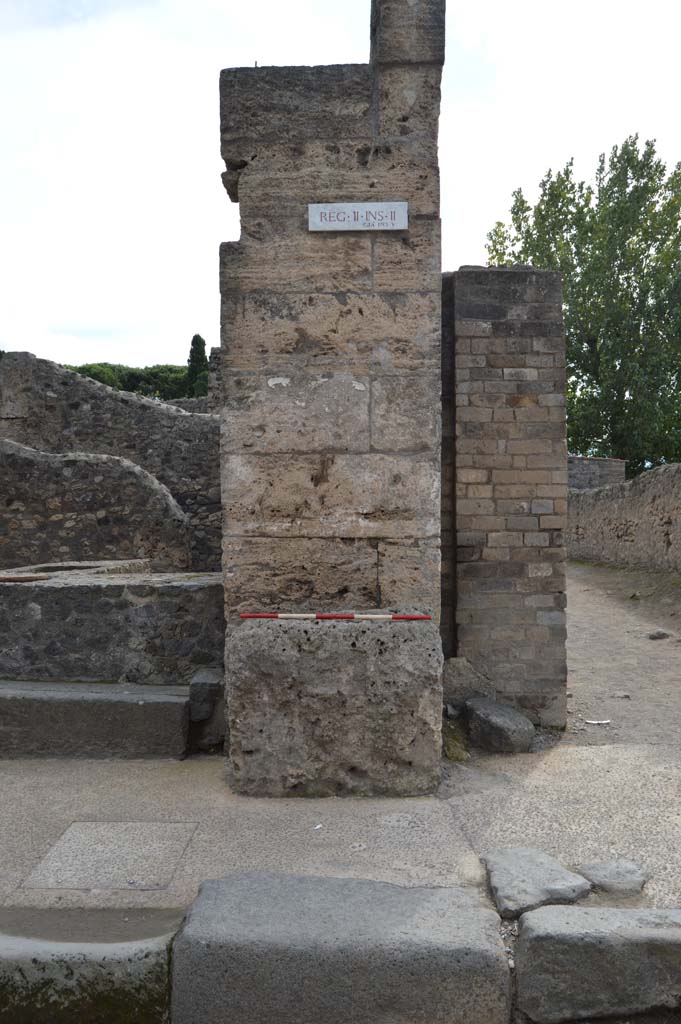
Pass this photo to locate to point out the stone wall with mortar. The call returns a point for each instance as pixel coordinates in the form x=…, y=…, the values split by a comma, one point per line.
x=78, y=507
x=331, y=342
x=637, y=523
x=137, y=627
x=511, y=483
x=50, y=408
x=586, y=473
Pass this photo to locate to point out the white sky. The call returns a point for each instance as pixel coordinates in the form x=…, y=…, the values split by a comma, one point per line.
x=111, y=205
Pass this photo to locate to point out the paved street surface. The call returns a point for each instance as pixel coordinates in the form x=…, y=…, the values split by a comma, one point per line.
x=146, y=833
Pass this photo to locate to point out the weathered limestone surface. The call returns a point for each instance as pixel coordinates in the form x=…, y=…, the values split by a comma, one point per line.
x=70, y=507
x=326, y=708
x=511, y=484
x=257, y=947
x=331, y=342
x=585, y=474
x=637, y=523
x=136, y=627
x=580, y=963
x=47, y=407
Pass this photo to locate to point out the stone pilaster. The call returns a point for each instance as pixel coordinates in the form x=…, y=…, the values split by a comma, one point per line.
x=331, y=421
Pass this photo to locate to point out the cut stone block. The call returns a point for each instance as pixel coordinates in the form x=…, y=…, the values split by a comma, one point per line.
x=307, y=412
x=396, y=332
x=522, y=879
x=577, y=963
x=299, y=574
x=321, y=708
x=406, y=33
x=259, y=947
x=332, y=495
x=85, y=720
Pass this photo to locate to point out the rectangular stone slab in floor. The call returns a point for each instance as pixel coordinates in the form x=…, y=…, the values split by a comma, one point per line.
x=113, y=855
x=322, y=708
x=262, y=947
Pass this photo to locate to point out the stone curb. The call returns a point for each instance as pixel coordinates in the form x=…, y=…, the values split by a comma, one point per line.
x=577, y=963
x=49, y=982
x=308, y=950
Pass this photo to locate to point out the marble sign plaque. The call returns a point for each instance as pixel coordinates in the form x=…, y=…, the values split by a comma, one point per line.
x=358, y=216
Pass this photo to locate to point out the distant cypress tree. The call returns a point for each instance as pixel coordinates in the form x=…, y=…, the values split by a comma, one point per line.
x=197, y=373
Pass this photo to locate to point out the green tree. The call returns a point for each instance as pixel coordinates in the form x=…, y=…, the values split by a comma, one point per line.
x=197, y=366
x=164, y=381
x=617, y=243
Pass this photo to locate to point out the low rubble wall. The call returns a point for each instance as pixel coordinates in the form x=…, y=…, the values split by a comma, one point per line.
x=637, y=523
x=121, y=627
x=76, y=507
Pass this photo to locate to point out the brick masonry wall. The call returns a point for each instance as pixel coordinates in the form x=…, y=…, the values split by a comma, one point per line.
x=586, y=473
x=511, y=483
x=637, y=523
x=47, y=407
x=81, y=507
x=331, y=341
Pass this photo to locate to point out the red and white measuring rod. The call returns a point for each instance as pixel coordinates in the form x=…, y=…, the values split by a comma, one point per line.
x=359, y=616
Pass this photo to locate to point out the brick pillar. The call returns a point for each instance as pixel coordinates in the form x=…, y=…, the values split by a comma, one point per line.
x=511, y=483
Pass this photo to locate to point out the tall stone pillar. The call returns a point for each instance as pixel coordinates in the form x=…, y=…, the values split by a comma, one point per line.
x=331, y=356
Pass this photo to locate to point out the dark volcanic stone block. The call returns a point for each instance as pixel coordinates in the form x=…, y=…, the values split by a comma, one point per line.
x=260, y=947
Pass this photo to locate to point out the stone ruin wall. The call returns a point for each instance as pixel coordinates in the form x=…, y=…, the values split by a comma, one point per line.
x=585, y=473
x=51, y=409
x=79, y=507
x=633, y=524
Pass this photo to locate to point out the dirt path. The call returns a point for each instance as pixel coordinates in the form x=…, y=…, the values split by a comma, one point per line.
x=615, y=671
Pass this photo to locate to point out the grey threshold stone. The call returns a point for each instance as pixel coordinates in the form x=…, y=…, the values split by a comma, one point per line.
x=577, y=963
x=264, y=947
x=107, y=967
x=497, y=727
x=619, y=877
x=92, y=720
x=522, y=878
